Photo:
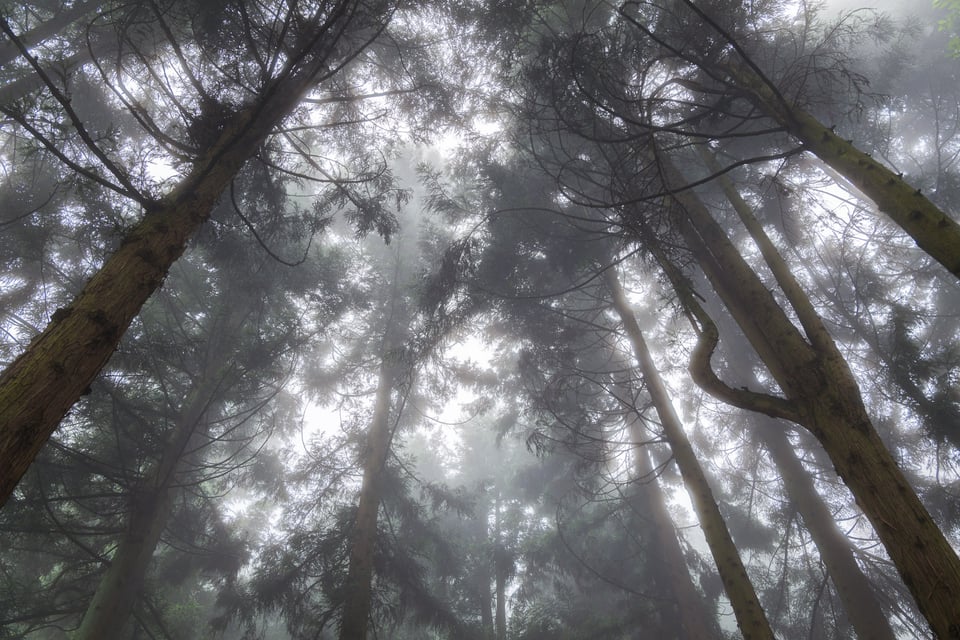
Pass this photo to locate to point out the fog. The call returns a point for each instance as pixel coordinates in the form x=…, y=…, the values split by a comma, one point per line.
x=478, y=320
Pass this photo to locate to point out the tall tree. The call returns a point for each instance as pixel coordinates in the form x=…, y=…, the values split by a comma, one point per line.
x=819, y=389
x=743, y=597
x=280, y=59
x=729, y=72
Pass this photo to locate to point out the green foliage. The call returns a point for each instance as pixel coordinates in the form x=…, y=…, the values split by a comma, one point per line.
x=949, y=23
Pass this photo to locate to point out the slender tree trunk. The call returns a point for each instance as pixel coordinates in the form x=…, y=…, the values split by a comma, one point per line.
x=501, y=568
x=40, y=386
x=743, y=598
x=150, y=506
x=696, y=622
x=933, y=230
x=822, y=395
x=363, y=537
x=484, y=578
x=48, y=29
x=486, y=604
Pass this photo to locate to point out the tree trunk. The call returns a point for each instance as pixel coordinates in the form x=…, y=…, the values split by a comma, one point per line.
x=822, y=396
x=9, y=51
x=855, y=591
x=40, y=386
x=486, y=605
x=695, y=620
x=19, y=87
x=502, y=570
x=150, y=505
x=859, y=600
x=933, y=230
x=743, y=598
x=484, y=578
x=363, y=537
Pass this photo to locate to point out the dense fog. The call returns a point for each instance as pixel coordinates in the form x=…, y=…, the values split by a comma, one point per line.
x=479, y=320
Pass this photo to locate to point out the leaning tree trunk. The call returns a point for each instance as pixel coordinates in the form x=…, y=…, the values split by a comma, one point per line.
x=751, y=619
x=152, y=500
x=855, y=591
x=695, y=621
x=821, y=395
x=933, y=230
x=358, y=592
x=55, y=25
x=151, y=504
x=19, y=87
x=40, y=386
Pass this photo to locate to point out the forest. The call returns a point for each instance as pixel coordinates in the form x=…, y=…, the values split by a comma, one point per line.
x=479, y=319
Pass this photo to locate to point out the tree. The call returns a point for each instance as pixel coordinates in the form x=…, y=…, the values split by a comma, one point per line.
x=193, y=394
x=746, y=605
x=729, y=77
x=319, y=43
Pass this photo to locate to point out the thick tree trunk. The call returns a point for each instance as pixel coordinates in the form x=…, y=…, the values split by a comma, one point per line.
x=933, y=230
x=150, y=506
x=743, y=598
x=859, y=600
x=696, y=622
x=40, y=386
x=363, y=537
x=855, y=591
x=823, y=396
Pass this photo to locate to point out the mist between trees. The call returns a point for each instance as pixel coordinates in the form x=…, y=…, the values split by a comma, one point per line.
x=478, y=320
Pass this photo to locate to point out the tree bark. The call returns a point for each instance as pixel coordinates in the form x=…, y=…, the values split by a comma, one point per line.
x=501, y=570
x=363, y=538
x=486, y=594
x=855, y=591
x=696, y=623
x=39, y=387
x=150, y=505
x=859, y=600
x=933, y=230
x=56, y=24
x=824, y=398
x=751, y=619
